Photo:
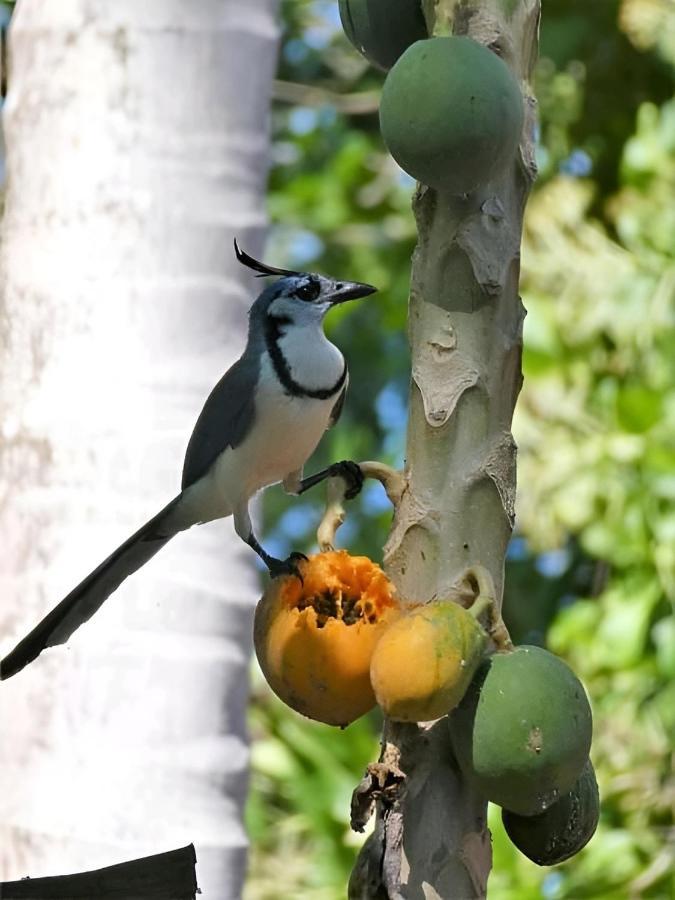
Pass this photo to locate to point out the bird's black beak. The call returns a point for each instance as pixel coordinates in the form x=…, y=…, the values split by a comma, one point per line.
x=350, y=290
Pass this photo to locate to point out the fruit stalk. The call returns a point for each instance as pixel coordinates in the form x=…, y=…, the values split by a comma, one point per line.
x=392, y=480
x=465, y=330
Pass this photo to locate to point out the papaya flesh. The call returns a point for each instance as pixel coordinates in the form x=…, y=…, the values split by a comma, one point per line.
x=382, y=29
x=563, y=829
x=451, y=113
x=424, y=662
x=522, y=732
x=315, y=639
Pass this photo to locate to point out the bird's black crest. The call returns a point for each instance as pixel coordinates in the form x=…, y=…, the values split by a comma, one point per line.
x=262, y=268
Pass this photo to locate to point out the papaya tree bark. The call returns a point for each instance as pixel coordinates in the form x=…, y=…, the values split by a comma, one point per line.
x=137, y=148
x=457, y=512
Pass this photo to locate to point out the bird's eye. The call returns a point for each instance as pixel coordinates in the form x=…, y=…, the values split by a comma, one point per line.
x=309, y=291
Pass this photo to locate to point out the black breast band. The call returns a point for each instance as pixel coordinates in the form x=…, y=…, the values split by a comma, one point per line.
x=274, y=330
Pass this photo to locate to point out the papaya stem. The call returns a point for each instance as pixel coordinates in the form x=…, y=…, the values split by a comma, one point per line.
x=499, y=632
x=334, y=514
x=486, y=599
x=482, y=579
x=480, y=605
x=393, y=481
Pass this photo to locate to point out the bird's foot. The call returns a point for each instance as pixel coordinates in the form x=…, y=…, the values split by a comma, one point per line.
x=288, y=566
x=352, y=474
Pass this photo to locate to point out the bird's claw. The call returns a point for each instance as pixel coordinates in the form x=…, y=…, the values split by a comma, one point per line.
x=352, y=474
x=288, y=566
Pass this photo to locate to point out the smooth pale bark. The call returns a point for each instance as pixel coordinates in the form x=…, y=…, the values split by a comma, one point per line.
x=137, y=148
x=465, y=325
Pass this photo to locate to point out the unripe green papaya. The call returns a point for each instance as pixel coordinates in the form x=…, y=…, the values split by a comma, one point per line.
x=563, y=829
x=425, y=660
x=451, y=113
x=522, y=733
x=382, y=29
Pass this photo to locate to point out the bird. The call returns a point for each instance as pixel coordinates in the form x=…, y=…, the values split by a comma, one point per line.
x=259, y=426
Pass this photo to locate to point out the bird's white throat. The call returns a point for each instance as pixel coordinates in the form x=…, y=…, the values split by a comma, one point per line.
x=313, y=361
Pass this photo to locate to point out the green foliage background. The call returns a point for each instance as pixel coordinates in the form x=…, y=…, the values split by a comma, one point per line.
x=591, y=569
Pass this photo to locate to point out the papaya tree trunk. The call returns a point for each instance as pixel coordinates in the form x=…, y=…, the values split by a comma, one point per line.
x=465, y=328
x=137, y=148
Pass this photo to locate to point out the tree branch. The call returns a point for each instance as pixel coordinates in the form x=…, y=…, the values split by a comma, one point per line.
x=457, y=512
x=362, y=103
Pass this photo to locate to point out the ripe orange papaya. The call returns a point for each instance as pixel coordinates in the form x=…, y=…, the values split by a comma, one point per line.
x=314, y=640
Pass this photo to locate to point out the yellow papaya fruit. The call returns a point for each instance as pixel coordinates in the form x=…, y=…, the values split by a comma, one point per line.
x=423, y=663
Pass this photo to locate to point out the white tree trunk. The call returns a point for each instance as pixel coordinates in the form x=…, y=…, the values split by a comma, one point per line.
x=137, y=148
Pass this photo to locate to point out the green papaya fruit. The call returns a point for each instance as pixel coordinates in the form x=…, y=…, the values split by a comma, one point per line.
x=563, y=829
x=451, y=113
x=382, y=29
x=522, y=732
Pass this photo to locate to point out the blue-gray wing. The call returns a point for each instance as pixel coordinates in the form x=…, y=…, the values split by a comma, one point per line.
x=224, y=422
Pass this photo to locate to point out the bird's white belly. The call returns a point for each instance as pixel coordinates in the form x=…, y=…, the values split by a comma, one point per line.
x=285, y=434
x=293, y=428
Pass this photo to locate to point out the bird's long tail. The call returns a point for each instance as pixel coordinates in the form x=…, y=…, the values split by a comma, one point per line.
x=83, y=601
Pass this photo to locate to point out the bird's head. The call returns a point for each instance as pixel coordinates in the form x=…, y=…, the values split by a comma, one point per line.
x=302, y=297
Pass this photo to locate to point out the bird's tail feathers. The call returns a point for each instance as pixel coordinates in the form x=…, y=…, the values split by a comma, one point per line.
x=84, y=600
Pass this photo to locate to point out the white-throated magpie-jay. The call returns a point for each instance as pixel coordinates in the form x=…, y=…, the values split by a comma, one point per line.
x=260, y=424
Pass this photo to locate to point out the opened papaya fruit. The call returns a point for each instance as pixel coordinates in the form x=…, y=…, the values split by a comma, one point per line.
x=382, y=29
x=314, y=639
x=564, y=828
x=451, y=113
x=522, y=732
x=425, y=661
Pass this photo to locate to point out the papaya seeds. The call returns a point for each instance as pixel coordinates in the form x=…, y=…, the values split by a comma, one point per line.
x=424, y=662
x=451, y=113
x=522, y=732
x=382, y=29
x=563, y=829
